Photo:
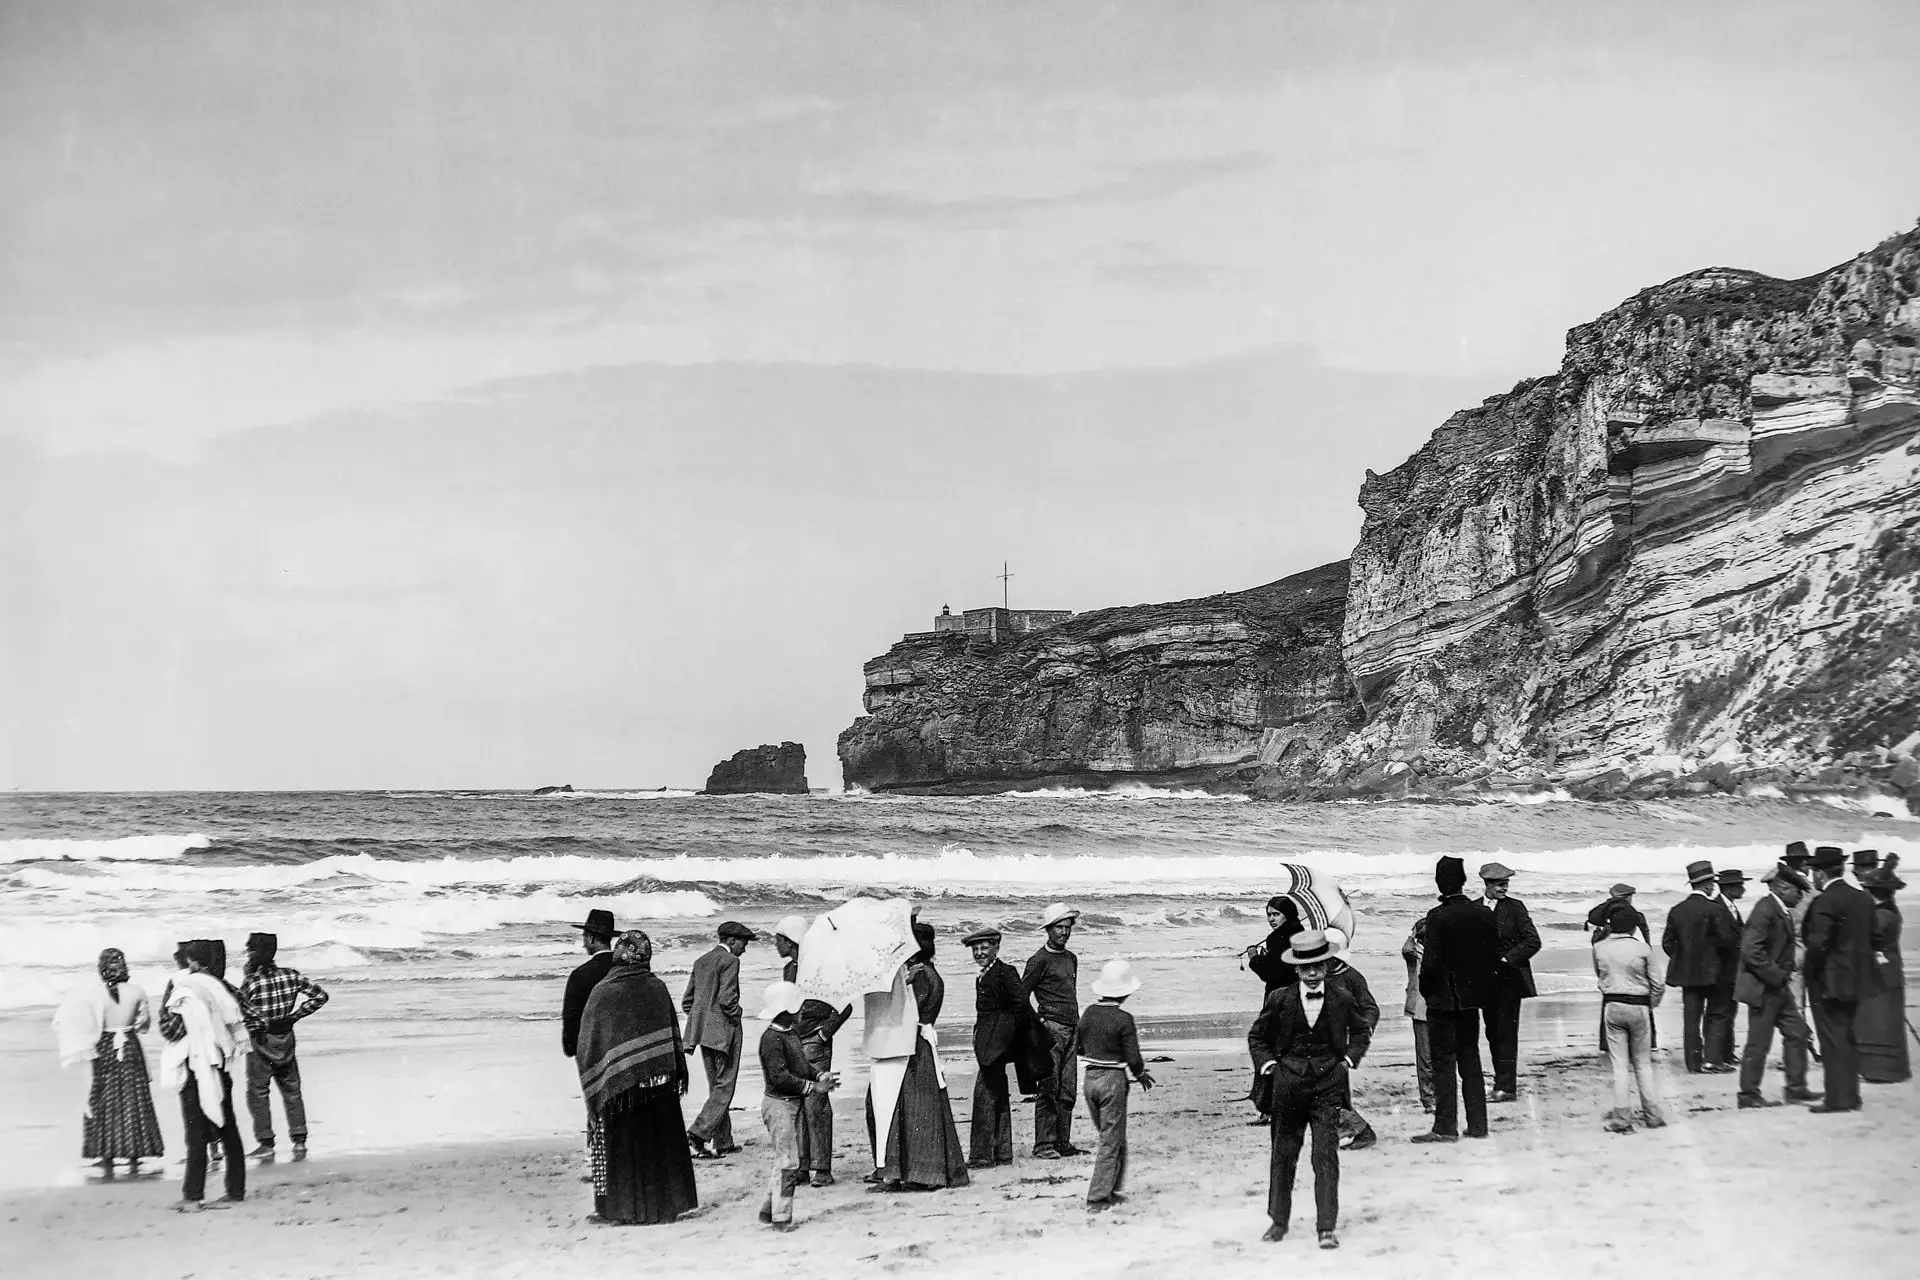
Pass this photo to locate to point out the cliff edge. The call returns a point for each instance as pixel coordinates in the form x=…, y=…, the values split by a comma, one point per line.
x=1686, y=560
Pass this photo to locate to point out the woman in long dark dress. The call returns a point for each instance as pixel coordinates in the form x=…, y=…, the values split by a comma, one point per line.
x=1880, y=1026
x=923, y=1145
x=633, y=1074
x=105, y=1021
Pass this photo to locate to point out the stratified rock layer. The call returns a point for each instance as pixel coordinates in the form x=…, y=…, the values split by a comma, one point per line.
x=769, y=770
x=1688, y=558
x=1191, y=691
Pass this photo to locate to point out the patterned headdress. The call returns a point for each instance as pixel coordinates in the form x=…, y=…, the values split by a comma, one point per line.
x=113, y=971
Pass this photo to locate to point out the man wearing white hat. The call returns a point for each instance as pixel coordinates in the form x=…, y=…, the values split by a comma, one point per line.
x=1109, y=1045
x=791, y=1079
x=1052, y=981
x=816, y=1025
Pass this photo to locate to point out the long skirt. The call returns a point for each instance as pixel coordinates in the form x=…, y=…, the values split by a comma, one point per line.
x=1881, y=1029
x=121, y=1125
x=649, y=1166
x=923, y=1144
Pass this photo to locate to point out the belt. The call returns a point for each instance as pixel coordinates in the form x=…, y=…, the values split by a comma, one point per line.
x=1610, y=997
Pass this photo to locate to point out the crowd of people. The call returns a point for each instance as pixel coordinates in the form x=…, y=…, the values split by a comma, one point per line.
x=212, y=1032
x=1815, y=944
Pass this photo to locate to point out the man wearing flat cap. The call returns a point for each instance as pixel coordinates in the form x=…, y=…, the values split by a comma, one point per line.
x=712, y=1006
x=1732, y=883
x=1052, y=982
x=1764, y=986
x=273, y=999
x=1841, y=972
x=1703, y=955
x=1001, y=1013
x=1513, y=979
x=1619, y=894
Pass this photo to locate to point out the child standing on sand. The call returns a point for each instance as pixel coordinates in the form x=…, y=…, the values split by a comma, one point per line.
x=790, y=1078
x=1109, y=1046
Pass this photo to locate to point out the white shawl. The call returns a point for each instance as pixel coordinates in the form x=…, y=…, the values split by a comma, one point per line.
x=79, y=1023
x=216, y=1039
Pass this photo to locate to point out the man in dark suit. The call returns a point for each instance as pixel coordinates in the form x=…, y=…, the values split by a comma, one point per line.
x=1841, y=972
x=1765, y=986
x=1702, y=953
x=1732, y=884
x=1513, y=979
x=1001, y=1013
x=1456, y=978
x=596, y=938
x=712, y=1006
x=1306, y=1039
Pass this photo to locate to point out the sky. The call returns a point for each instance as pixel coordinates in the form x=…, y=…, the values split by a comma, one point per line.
x=486, y=394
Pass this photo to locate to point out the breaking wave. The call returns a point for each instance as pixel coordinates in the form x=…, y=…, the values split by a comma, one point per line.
x=154, y=848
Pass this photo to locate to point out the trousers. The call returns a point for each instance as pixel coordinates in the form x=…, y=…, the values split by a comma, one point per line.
x=816, y=1112
x=1304, y=1099
x=782, y=1118
x=1704, y=1010
x=713, y=1125
x=1053, y=1100
x=990, y=1133
x=1719, y=1047
x=1777, y=1009
x=1457, y=1075
x=264, y=1070
x=1503, y=1041
x=201, y=1132
x=1423, y=1061
x=1630, y=1051
x=1107, y=1091
x=1839, y=1052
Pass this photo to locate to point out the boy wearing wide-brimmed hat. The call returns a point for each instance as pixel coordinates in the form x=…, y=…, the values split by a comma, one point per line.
x=1109, y=1047
x=1703, y=952
x=1305, y=1040
x=790, y=1079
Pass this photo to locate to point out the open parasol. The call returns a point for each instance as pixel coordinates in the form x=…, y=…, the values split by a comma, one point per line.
x=1321, y=902
x=856, y=948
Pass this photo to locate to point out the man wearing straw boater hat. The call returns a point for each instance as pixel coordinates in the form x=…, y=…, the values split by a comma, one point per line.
x=712, y=1006
x=1841, y=972
x=1702, y=955
x=1305, y=1040
x=596, y=939
x=1765, y=987
x=1052, y=981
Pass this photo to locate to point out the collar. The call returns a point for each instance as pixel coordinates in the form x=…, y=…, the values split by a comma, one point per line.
x=1059, y=951
x=1709, y=893
x=1311, y=993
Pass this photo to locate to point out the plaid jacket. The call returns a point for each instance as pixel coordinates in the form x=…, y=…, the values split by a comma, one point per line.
x=274, y=999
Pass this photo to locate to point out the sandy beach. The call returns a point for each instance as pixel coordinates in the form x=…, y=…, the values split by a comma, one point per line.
x=1706, y=1196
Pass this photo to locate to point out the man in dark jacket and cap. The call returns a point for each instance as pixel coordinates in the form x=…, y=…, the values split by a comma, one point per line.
x=1456, y=978
x=1513, y=979
x=1841, y=972
x=1001, y=1014
x=1703, y=955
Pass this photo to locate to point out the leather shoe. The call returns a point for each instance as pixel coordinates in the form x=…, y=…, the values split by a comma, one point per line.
x=1803, y=1095
x=979, y=1164
x=1754, y=1104
x=1275, y=1234
x=1068, y=1149
x=1821, y=1108
x=1716, y=1069
x=1476, y=1133
x=1434, y=1137
x=820, y=1180
x=1045, y=1153
x=1329, y=1241
x=1500, y=1095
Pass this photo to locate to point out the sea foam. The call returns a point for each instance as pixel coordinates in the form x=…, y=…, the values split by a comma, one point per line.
x=154, y=848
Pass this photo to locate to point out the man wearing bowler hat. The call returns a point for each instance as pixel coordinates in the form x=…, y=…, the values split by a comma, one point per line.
x=1764, y=986
x=273, y=999
x=1841, y=972
x=1052, y=982
x=1456, y=979
x=712, y=1006
x=1513, y=979
x=1702, y=959
x=1000, y=1021
x=1732, y=884
x=596, y=939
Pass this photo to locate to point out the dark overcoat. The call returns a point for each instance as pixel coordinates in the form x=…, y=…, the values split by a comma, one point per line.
x=1519, y=943
x=1766, y=952
x=1839, y=935
x=1463, y=949
x=1702, y=948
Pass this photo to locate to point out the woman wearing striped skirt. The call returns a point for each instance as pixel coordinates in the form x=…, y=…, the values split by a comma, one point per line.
x=103, y=1021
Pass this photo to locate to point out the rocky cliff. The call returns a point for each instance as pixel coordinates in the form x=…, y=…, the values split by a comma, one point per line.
x=1687, y=558
x=772, y=770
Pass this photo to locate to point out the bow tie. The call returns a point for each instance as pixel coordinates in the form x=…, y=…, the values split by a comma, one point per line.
x=1315, y=995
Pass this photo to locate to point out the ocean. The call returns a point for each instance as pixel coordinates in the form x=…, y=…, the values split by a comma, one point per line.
x=375, y=893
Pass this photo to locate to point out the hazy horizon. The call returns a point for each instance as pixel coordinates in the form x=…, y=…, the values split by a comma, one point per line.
x=404, y=396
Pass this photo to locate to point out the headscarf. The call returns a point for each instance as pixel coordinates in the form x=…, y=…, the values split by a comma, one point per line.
x=923, y=935
x=630, y=1029
x=113, y=972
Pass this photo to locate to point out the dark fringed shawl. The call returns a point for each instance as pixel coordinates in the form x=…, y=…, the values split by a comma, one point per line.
x=629, y=1036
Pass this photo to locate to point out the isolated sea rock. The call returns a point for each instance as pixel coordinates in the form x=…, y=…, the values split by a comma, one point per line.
x=772, y=770
x=565, y=787
x=1687, y=562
